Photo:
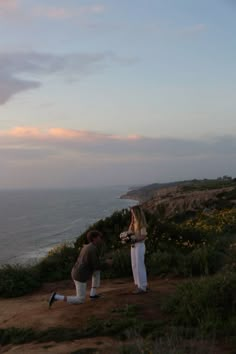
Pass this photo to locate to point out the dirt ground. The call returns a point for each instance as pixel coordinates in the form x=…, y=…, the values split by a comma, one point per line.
x=32, y=311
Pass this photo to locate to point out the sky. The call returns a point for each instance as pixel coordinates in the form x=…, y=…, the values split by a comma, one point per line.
x=106, y=92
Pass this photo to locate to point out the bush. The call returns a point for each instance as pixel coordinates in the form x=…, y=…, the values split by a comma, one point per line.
x=121, y=266
x=58, y=263
x=209, y=303
x=204, y=260
x=17, y=280
x=159, y=263
x=187, y=248
x=110, y=227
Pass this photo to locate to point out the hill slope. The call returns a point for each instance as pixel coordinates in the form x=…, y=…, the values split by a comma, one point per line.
x=118, y=305
x=186, y=196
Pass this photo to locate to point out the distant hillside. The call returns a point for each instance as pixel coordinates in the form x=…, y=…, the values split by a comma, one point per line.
x=144, y=193
x=186, y=196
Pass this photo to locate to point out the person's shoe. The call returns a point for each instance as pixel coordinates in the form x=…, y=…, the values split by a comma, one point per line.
x=51, y=299
x=93, y=297
x=139, y=291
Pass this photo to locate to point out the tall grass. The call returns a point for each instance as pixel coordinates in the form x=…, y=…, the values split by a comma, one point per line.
x=208, y=303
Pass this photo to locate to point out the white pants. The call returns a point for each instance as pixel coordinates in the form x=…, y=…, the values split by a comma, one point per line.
x=138, y=265
x=81, y=289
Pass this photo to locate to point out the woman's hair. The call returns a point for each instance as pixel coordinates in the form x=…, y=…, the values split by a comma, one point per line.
x=139, y=215
x=91, y=235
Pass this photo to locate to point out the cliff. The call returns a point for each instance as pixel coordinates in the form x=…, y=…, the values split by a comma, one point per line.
x=187, y=196
x=174, y=200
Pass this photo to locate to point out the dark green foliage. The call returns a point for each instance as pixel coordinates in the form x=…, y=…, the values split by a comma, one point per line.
x=16, y=335
x=201, y=260
x=128, y=310
x=16, y=280
x=57, y=264
x=159, y=263
x=121, y=266
x=168, y=235
x=110, y=227
x=206, y=184
x=209, y=303
x=229, y=195
x=95, y=327
x=172, y=341
x=171, y=248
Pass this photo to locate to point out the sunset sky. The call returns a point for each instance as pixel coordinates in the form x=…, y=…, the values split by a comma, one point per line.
x=96, y=93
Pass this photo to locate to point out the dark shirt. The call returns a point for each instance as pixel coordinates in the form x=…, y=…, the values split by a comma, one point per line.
x=86, y=264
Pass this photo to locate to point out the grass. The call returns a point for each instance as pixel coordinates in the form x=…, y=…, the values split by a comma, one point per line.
x=95, y=327
x=208, y=304
x=174, y=341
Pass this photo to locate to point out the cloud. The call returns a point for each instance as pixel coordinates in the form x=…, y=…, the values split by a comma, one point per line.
x=112, y=146
x=9, y=86
x=194, y=29
x=61, y=13
x=8, y=5
x=15, y=8
x=58, y=157
x=60, y=135
x=15, y=65
x=11, y=10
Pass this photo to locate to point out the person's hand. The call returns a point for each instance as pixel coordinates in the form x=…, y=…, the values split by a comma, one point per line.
x=132, y=238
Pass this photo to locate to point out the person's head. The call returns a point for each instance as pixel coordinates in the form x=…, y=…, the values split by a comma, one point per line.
x=95, y=237
x=138, y=216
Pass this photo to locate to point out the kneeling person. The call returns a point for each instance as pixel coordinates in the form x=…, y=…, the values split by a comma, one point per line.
x=86, y=267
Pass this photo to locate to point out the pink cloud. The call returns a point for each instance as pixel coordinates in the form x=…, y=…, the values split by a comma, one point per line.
x=65, y=13
x=9, y=5
x=128, y=137
x=23, y=132
x=199, y=27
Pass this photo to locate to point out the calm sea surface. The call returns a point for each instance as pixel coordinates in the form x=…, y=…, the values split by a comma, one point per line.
x=33, y=222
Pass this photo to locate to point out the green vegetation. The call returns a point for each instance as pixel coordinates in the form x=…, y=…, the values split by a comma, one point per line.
x=119, y=324
x=190, y=245
x=173, y=341
x=207, y=184
x=17, y=280
x=208, y=304
x=196, y=244
x=139, y=336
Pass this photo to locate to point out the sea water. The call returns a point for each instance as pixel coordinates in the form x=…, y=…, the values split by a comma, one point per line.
x=34, y=221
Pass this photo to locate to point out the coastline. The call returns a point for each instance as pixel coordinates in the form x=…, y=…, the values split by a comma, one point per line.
x=37, y=221
x=135, y=198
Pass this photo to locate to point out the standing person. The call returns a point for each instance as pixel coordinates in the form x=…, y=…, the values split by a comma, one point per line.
x=87, y=266
x=138, y=227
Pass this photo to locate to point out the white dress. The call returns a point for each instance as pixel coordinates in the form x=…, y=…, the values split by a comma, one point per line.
x=137, y=261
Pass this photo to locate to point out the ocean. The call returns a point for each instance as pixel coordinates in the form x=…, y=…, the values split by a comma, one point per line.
x=34, y=221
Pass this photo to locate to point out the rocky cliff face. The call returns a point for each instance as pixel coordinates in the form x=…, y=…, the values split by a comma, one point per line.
x=147, y=192
x=175, y=200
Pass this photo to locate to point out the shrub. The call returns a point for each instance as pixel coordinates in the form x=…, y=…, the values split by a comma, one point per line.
x=110, y=227
x=209, y=303
x=121, y=266
x=16, y=335
x=159, y=263
x=58, y=263
x=17, y=280
x=205, y=260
